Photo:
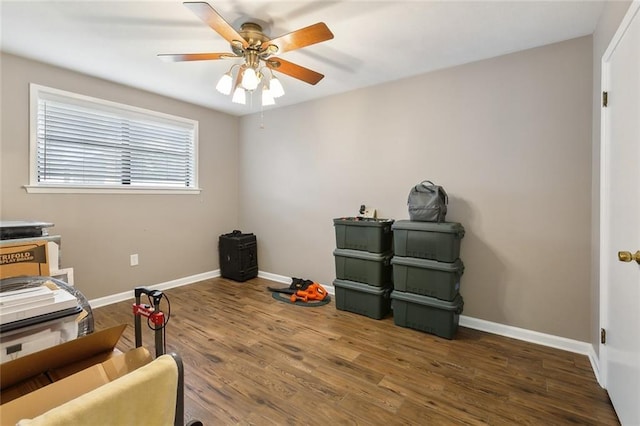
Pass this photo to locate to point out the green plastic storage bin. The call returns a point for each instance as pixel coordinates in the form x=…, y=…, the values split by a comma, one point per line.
x=372, y=235
x=427, y=277
x=427, y=313
x=361, y=266
x=363, y=299
x=427, y=240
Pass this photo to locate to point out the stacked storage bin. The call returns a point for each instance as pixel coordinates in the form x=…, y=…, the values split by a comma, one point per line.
x=363, y=265
x=426, y=275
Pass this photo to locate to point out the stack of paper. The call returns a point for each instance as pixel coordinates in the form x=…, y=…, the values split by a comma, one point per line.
x=30, y=302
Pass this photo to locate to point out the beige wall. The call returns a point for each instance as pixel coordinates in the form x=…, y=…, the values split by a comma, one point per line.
x=510, y=140
x=508, y=137
x=608, y=23
x=174, y=235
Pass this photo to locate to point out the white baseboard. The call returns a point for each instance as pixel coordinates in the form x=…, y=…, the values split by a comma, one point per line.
x=526, y=335
x=543, y=339
x=114, y=298
x=594, y=359
x=274, y=277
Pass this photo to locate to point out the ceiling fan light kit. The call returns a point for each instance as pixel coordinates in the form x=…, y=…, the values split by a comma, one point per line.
x=255, y=50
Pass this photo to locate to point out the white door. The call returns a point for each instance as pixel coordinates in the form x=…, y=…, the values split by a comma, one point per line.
x=620, y=219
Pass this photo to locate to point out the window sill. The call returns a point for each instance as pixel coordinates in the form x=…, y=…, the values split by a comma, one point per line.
x=63, y=189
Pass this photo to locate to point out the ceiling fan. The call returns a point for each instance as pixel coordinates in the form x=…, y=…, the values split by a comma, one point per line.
x=257, y=50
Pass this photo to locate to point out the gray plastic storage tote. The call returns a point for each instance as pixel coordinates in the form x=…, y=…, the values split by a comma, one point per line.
x=361, y=266
x=427, y=313
x=372, y=235
x=363, y=299
x=427, y=277
x=427, y=240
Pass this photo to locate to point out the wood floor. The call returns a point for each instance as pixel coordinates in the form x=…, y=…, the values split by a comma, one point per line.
x=250, y=359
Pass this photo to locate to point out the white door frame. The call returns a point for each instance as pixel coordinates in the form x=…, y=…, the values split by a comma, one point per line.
x=605, y=214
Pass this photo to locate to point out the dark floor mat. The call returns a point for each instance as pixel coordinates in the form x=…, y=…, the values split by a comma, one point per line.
x=282, y=297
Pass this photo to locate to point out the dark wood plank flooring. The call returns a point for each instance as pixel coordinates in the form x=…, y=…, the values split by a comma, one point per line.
x=250, y=359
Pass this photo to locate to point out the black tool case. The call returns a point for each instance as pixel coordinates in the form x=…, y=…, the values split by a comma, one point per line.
x=238, y=256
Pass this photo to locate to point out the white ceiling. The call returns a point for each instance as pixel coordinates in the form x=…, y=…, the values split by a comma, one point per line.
x=375, y=41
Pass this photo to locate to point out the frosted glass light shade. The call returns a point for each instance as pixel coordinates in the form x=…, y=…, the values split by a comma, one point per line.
x=276, y=88
x=267, y=97
x=239, y=96
x=249, y=79
x=224, y=84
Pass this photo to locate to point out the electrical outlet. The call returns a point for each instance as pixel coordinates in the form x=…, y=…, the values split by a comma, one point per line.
x=134, y=260
x=369, y=212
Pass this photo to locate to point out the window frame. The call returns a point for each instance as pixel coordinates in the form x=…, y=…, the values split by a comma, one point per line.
x=37, y=91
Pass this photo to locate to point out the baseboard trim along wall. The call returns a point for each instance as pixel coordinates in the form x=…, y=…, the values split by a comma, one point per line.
x=530, y=336
x=282, y=279
x=115, y=298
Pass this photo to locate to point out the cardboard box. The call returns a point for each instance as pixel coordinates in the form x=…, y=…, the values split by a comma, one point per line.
x=99, y=344
x=36, y=383
x=28, y=258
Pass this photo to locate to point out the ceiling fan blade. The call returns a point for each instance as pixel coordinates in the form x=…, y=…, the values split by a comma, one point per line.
x=295, y=71
x=307, y=36
x=207, y=14
x=178, y=57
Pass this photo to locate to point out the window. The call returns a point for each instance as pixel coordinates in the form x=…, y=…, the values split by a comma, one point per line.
x=83, y=144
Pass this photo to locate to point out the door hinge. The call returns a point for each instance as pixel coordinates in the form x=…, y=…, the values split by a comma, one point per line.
x=603, y=336
x=605, y=99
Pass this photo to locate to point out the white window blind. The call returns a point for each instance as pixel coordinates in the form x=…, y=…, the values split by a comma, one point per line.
x=87, y=142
